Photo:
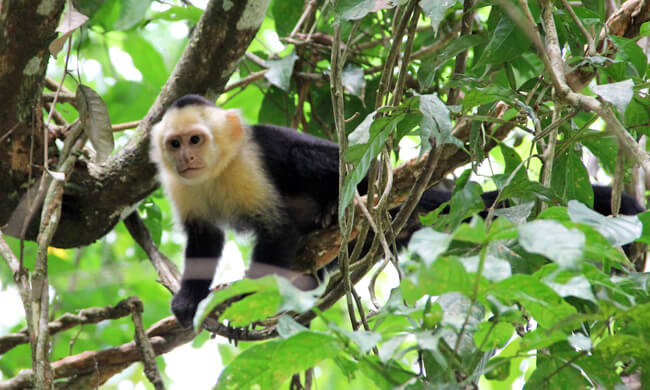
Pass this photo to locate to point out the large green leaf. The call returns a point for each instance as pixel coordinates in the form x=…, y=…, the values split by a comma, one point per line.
x=570, y=178
x=430, y=65
x=553, y=240
x=268, y=365
x=506, y=42
x=619, y=230
x=262, y=298
x=544, y=304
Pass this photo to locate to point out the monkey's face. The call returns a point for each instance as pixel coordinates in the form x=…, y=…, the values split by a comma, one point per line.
x=188, y=152
x=196, y=143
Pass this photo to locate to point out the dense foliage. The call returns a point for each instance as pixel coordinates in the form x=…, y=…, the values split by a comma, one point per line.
x=537, y=294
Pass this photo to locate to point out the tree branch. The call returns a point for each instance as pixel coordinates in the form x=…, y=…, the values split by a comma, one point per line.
x=91, y=315
x=106, y=194
x=164, y=336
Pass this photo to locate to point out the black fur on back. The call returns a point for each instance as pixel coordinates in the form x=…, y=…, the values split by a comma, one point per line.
x=191, y=100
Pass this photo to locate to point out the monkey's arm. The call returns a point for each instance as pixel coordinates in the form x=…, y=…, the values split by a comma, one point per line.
x=204, y=247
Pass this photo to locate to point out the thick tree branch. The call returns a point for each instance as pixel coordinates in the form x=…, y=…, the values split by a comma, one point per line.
x=106, y=194
x=24, y=56
x=164, y=336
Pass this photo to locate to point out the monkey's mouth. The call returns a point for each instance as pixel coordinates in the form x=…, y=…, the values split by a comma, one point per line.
x=190, y=171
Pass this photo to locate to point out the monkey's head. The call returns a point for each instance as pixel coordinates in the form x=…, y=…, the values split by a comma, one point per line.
x=196, y=140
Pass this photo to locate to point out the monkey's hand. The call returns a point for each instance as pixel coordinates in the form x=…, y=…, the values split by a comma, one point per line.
x=186, y=301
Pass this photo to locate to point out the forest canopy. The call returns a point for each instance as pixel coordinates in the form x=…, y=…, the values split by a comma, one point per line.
x=538, y=103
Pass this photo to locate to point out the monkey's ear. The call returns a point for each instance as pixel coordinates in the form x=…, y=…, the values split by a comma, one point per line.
x=234, y=124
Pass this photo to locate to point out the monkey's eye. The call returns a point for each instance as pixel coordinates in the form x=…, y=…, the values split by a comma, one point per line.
x=195, y=139
x=175, y=143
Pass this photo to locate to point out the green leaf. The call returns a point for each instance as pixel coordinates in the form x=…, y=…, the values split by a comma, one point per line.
x=645, y=219
x=637, y=115
x=475, y=231
x=436, y=122
x=360, y=136
x=176, y=13
x=492, y=335
x=382, y=128
x=263, y=298
x=465, y=202
x=95, y=121
x=459, y=313
x=513, y=163
x=365, y=340
x=645, y=30
x=627, y=346
x=577, y=286
x=268, y=365
x=427, y=71
x=516, y=214
x=131, y=13
x=389, y=375
x=619, y=94
x=494, y=269
x=570, y=178
x=479, y=95
x=604, y=146
x=631, y=53
x=428, y=244
x=553, y=240
x=286, y=14
x=443, y=276
x=506, y=42
x=541, y=338
x=544, y=304
x=554, y=374
x=618, y=230
x=436, y=10
x=280, y=71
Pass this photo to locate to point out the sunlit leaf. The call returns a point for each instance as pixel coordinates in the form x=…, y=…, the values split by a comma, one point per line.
x=618, y=230
x=619, y=94
x=553, y=240
x=268, y=365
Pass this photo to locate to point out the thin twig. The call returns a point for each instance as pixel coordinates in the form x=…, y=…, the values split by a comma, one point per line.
x=50, y=217
x=125, y=126
x=147, y=354
x=461, y=58
x=346, y=224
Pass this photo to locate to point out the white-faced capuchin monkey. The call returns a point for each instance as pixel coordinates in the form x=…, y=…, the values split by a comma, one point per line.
x=277, y=182
x=220, y=172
